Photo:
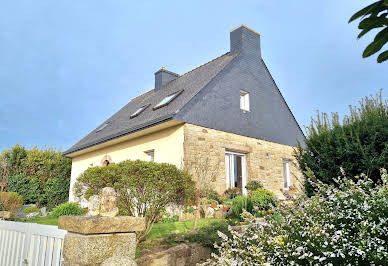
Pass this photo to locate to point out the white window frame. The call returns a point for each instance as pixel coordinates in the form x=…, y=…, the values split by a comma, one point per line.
x=286, y=174
x=244, y=100
x=229, y=162
x=150, y=155
x=166, y=100
x=139, y=111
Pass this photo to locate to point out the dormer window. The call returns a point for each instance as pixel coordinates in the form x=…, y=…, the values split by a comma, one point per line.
x=102, y=127
x=244, y=100
x=139, y=111
x=167, y=99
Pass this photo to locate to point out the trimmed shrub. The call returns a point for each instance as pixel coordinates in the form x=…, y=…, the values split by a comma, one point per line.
x=2, y=207
x=11, y=201
x=31, y=209
x=208, y=236
x=345, y=224
x=253, y=185
x=56, y=191
x=69, y=208
x=357, y=145
x=28, y=188
x=263, y=199
x=144, y=188
x=241, y=203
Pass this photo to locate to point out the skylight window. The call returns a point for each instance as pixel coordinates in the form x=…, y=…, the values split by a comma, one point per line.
x=138, y=111
x=167, y=99
x=102, y=127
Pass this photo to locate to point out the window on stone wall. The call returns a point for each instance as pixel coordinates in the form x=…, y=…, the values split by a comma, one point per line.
x=244, y=100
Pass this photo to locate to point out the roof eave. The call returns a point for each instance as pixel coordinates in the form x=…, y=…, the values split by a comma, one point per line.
x=127, y=132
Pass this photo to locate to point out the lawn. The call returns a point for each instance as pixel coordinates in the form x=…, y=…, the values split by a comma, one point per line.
x=159, y=230
x=40, y=220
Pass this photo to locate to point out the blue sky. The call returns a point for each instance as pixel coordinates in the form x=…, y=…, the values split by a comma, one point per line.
x=66, y=66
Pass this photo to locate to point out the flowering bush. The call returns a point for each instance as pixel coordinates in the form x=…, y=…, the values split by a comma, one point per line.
x=346, y=224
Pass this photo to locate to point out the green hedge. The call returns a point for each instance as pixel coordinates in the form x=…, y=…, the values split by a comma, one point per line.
x=357, y=145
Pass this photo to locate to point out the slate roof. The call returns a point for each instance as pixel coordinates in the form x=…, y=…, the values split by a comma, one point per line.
x=120, y=124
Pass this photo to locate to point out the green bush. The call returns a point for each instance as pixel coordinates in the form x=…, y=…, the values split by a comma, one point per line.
x=56, y=191
x=357, y=145
x=2, y=207
x=263, y=199
x=253, y=185
x=241, y=203
x=144, y=188
x=11, y=201
x=31, y=209
x=207, y=235
x=27, y=187
x=189, y=209
x=69, y=208
x=172, y=219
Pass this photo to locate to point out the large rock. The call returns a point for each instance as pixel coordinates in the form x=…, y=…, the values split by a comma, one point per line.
x=93, y=206
x=108, y=202
x=81, y=249
x=101, y=225
x=104, y=204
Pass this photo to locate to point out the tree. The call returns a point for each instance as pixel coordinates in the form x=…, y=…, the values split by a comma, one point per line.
x=372, y=17
x=204, y=172
x=144, y=188
x=358, y=145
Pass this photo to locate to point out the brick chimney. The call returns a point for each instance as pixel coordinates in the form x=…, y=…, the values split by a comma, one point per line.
x=245, y=40
x=163, y=76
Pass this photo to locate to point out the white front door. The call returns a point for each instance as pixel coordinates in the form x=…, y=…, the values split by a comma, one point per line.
x=235, y=169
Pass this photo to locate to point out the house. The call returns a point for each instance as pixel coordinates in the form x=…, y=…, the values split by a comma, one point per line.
x=227, y=115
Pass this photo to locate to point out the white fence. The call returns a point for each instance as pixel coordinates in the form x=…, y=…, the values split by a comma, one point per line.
x=28, y=244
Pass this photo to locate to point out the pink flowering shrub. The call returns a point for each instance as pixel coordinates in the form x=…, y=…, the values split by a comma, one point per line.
x=345, y=224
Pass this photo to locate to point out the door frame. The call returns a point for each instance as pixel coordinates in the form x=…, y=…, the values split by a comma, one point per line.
x=286, y=174
x=243, y=170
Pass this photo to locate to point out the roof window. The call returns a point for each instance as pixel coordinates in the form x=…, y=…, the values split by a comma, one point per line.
x=167, y=99
x=139, y=111
x=102, y=127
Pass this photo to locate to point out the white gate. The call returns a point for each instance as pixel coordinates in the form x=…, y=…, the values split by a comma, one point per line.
x=28, y=244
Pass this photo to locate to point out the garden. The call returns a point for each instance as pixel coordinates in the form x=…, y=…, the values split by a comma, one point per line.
x=341, y=219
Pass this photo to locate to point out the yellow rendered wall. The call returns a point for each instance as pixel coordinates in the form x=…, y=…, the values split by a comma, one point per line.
x=167, y=143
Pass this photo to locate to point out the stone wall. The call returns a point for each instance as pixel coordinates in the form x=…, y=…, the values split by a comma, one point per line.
x=264, y=159
x=183, y=254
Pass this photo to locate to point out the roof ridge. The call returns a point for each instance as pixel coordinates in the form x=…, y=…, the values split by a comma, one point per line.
x=203, y=65
x=180, y=76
